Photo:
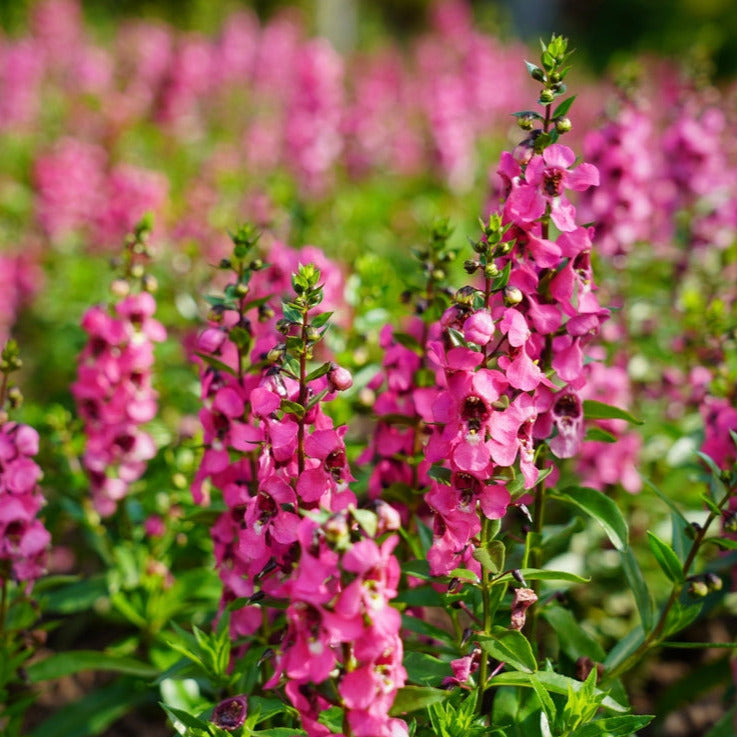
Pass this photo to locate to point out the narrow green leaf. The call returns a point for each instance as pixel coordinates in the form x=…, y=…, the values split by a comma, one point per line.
x=291, y=312
x=544, y=697
x=501, y=280
x=278, y=732
x=319, y=320
x=555, y=683
x=426, y=670
x=408, y=341
x=440, y=474
x=418, y=569
x=725, y=726
x=617, y=726
x=187, y=719
x=318, y=372
x=564, y=107
x=599, y=435
x=594, y=410
x=75, y=661
x=574, y=640
x=215, y=363
x=666, y=557
x=636, y=582
x=317, y=398
x=599, y=507
x=292, y=408
x=541, y=574
x=413, y=698
x=511, y=647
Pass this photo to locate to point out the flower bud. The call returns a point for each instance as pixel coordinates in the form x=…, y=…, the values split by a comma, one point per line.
x=698, y=589
x=120, y=288
x=491, y=270
x=713, y=582
x=312, y=334
x=225, y=264
x=526, y=122
x=512, y=296
x=563, y=125
x=230, y=714
x=546, y=96
x=470, y=266
x=339, y=378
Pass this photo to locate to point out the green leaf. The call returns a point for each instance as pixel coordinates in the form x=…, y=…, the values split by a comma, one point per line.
x=426, y=670
x=617, y=726
x=511, y=647
x=317, y=398
x=75, y=661
x=541, y=574
x=599, y=435
x=367, y=520
x=725, y=726
x=491, y=557
x=574, y=640
x=418, y=569
x=666, y=557
x=96, y=711
x=292, y=408
x=502, y=279
x=440, y=474
x=408, y=341
x=187, y=719
x=77, y=597
x=555, y=683
x=215, y=363
x=601, y=508
x=419, y=596
x=278, y=732
x=413, y=624
x=564, y=107
x=593, y=410
x=413, y=698
x=291, y=312
x=318, y=372
x=636, y=582
x=319, y=320
x=544, y=697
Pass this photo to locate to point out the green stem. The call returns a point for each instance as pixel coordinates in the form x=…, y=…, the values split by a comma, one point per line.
x=3, y=607
x=302, y=398
x=486, y=600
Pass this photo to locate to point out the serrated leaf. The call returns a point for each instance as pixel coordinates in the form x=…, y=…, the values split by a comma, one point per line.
x=666, y=557
x=511, y=647
x=564, y=107
x=594, y=410
x=413, y=698
x=599, y=507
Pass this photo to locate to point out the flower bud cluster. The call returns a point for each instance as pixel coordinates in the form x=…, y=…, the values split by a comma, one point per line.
x=113, y=391
x=23, y=538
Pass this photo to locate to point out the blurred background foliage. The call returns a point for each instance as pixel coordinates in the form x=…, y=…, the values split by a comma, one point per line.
x=703, y=32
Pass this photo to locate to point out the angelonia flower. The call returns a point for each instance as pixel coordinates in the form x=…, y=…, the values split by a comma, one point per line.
x=24, y=540
x=511, y=351
x=113, y=391
x=341, y=626
x=267, y=461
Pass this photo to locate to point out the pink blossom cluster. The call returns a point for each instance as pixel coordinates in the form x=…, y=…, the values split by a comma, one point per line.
x=247, y=452
x=76, y=191
x=512, y=365
x=115, y=396
x=341, y=626
x=605, y=463
x=23, y=538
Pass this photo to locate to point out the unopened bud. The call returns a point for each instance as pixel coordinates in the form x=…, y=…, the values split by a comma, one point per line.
x=241, y=289
x=15, y=397
x=120, y=288
x=312, y=334
x=698, y=589
x=150, y=284
x=339, y=378
x=546, y=96
x=225, y=264
x=256, y=264
x=563, y=125
x=470, y=266
x=526, y=122
x=491, y=270
x=275, y=354
x=230, y=714
x=730, y=522
x=265, y=313
x=713, y=582
x=438, y=274
x=137, y=271
x=512, y=296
